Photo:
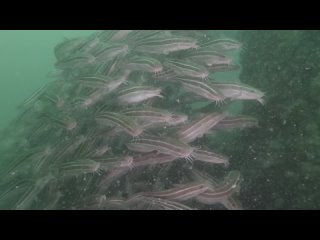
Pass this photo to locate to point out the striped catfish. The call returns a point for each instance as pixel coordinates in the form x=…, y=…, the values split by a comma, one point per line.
x=93, y=202
x=229, y=202
x=94, y=97
x=144, y=35
x=171, y=205
x=98, y=81
x=54, y=199
x=114, y=174
x=35, y=96
x=136, y=201
x=149, y=115
x=103, y=85
x=152, y=158
x=164, y=45
x=107, y=52
x=120, y=35
x=222, y=67
x=202, y=89
x=189, y=33
x=180, y=193
x=56, y=100
x=90, y=43
x=112, y=68
x=87, y=165
x=164, y=204
x=109, y=162
x=126, y=123
x=145, y=64
x=187, y=68
x=42, y=158
x=79, y=167
x=138, y=94
x=69, y=147
x=207, y=56
x=30, y=196
x=177, y=119
x=200, y=126
x=13, y=187
x=222, y=44
x=106, y=35
x=67, y=47
x=232, y=122
x=232, y=203
x=209, y=157
x=219, y=193
x=238, y=91
x=99, y=151
x=164, y=145
x=77, y=60
x=64, y=122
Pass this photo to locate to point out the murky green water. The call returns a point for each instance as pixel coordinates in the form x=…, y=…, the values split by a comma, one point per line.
x=26, y=61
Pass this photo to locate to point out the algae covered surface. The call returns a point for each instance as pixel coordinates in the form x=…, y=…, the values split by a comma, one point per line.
x=282, y=164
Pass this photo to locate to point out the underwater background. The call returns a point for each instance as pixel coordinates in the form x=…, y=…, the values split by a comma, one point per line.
x=159, y=119
x=26, y=62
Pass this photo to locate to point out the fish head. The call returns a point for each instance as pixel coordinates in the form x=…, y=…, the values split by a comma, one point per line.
x=177, y=119
x=125, y=49
x=231, y=45
x=91, y=59
x=254, y=94
x=158, y=69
